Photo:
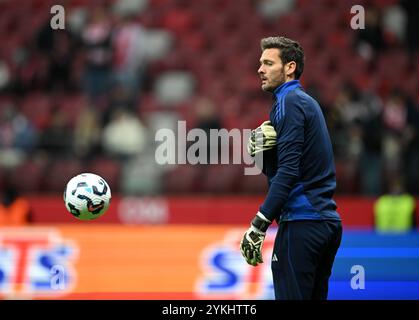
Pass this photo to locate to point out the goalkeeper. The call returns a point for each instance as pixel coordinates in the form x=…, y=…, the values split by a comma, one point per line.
x=298, y=162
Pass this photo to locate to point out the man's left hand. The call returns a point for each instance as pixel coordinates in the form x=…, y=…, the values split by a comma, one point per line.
x=261, y=139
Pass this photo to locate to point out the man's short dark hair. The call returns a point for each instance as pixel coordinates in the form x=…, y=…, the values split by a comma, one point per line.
x=289, y=50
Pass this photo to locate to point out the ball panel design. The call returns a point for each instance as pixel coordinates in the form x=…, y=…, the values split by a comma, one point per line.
x=87, y=196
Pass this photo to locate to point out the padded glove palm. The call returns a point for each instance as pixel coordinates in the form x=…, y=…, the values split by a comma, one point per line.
x=261, y=139
x=251, y=246
x=252, y=241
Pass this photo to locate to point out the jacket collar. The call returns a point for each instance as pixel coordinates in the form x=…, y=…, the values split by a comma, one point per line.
x=290, y=85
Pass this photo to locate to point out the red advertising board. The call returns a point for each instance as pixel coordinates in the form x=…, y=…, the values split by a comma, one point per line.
x=355, y=212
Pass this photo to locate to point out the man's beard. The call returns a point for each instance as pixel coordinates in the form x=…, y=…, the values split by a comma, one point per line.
x=280, y=82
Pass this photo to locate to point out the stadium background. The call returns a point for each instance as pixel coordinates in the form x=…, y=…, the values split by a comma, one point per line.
x=90, y=98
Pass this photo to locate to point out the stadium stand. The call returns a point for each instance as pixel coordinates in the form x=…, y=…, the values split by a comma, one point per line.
x=206, y=48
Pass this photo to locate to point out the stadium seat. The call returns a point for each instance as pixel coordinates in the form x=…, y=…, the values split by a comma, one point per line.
x=252, y=184
x=220, y=178
x=179, y=21
x=108, y=169
x=60, y=171
x=36, y=107
x=72, y=104
x=182, y=179
x=158, y=44
x=174, y=87
x=27, y=177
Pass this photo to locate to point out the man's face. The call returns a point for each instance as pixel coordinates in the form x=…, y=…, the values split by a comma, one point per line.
x=271, y=70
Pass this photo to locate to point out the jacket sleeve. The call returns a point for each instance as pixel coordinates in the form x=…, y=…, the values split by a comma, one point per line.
x=289, y=125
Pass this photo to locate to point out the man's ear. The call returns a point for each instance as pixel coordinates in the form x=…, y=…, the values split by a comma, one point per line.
x=290, y=68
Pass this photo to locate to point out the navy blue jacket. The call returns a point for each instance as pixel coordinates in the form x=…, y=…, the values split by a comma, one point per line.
x=300, y=170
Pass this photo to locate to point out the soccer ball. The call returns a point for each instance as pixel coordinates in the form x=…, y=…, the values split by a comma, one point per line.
x=87, y=196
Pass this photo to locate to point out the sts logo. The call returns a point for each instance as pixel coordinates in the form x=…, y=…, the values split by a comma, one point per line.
x=226, y=275
x=35, y=262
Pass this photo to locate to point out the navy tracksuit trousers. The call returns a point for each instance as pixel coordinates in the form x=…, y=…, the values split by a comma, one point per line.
x=302, y=259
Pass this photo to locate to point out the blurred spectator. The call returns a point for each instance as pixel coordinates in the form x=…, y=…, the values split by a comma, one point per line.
x=346, y=131
x=30, y=71
x=57, y=46
x=119, y=96
x=124, y=136
x=271, y=9
x=4, y=75
x=61, y=59
x=57, y=138
x=394, y=24
x=395, y=211
x=87, y=133
x=76, y=20
x=129, y=7
x=174, y=87
x=14, y=208
x=357, y=131
x=18, y=136
x=396, y=133
x=141, y=175
x=129, y=61
x=412, y=26
x=98, y=54
x=411, y=154
x=45, y=38
x=348, y=105
x=370, y=40
x=371, y=162
x=207, y=118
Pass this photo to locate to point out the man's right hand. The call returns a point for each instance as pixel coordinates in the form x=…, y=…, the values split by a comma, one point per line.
x=251, y=246
x=252, y=241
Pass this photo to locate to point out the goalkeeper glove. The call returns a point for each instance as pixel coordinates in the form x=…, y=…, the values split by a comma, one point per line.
x=252, y=242
x=261, y=139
